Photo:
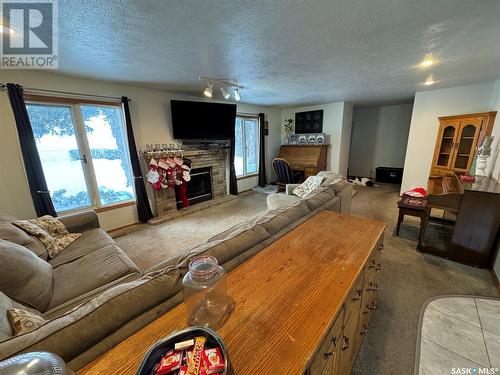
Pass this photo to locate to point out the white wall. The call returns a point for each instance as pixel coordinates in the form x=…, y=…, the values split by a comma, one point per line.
x=150, y=112
x=493, y=168
x=494, y=161
x=337, y=119
x=379, y=138
x=427, y=107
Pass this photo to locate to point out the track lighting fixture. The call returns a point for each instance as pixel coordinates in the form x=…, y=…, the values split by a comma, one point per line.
x=208, y=90
x=224, y=92
x=225, y=85
x=237, y=95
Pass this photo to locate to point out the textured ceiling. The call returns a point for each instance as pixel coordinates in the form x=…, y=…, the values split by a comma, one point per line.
x=284, y=52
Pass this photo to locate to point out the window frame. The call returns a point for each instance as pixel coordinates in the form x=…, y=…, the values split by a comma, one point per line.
x=245, y=116
x=83, y=146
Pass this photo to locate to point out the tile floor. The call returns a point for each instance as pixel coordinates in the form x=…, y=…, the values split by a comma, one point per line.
x=460, y=333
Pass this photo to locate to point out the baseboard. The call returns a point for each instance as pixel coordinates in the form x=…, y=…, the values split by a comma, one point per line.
x=495, y=281
x=121, y=231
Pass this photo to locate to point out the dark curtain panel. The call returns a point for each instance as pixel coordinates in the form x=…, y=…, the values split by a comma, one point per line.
x=34, y=171
x=141, y=196
x=262, y=151
x=233, y=182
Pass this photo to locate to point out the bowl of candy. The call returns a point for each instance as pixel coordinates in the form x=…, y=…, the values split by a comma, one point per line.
x=192, y=351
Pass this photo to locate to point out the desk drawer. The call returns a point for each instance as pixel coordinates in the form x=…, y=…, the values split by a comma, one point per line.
x=353, y=302
x=329, y=348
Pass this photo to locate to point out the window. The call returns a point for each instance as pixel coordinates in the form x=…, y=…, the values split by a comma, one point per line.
x=246, y=159
x=84, y=153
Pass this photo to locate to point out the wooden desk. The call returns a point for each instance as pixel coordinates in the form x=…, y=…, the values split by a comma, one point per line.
x=290, y=303
x=309, y=159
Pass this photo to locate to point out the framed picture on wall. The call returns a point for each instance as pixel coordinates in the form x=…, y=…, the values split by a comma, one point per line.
x=309, y=122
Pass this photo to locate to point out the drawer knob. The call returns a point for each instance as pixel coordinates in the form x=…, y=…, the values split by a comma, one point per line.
x=368, y=309
x=346, y=343
x=365, y=330
x=358, y=294
x=327, y=354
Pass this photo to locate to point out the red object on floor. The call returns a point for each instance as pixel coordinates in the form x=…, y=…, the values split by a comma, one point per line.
x=182, y=195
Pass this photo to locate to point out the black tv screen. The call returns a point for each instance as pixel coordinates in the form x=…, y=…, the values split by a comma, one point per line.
x=202, y=120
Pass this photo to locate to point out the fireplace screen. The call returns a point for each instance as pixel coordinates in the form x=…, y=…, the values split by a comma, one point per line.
x=199, y=188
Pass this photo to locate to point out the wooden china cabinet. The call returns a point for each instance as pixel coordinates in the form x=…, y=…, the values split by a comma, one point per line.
x=457, y=139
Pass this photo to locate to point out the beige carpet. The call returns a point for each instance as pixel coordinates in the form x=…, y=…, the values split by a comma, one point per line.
x=148, y=245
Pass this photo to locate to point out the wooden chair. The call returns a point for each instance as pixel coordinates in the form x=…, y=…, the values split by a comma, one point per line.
x=284, y=174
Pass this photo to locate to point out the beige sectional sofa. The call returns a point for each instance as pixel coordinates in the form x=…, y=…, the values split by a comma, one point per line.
x=94, y=295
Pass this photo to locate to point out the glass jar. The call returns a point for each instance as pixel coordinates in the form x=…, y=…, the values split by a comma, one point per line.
x=205, y=292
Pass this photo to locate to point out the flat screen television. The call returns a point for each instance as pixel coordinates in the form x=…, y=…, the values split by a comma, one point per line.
x=202, y=120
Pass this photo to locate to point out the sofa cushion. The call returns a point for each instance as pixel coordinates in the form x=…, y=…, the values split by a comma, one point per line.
x=24, y=276
x=318, y=197
x=278, y=200
x=277, y=219
x=90, y=272
x=73, y=333
x=88, y=242
x=10, y=232
x=228, y=244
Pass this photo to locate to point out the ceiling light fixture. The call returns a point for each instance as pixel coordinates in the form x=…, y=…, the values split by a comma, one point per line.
x=225, y=85
x=429, y=81
x=427, y=61
x=208, y=91
x=237, y=95
x=224, y=92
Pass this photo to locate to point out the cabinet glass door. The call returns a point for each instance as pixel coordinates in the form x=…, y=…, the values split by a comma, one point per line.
x=465, y=146
x=446, y=148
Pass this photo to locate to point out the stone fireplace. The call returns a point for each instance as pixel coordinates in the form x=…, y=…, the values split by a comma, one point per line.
x=208, y=179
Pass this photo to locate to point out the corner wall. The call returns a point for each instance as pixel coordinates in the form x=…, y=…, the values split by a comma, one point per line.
x=337, y=120
x=427, y=108
x=150, y=112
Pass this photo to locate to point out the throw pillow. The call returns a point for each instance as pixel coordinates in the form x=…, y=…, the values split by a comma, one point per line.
x=50, y=231
x=25, y=277
x=51, y=225
x=308, y=186
x=23, y=321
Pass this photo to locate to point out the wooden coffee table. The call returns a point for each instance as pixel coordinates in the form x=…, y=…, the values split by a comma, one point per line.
x=302, y=304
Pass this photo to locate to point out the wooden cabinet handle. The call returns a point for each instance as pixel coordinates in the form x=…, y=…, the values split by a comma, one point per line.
x=327, y=354
x=368, y=309
x=357, y=297
x=365, y=329
x=334, y=341
x=346, y=343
